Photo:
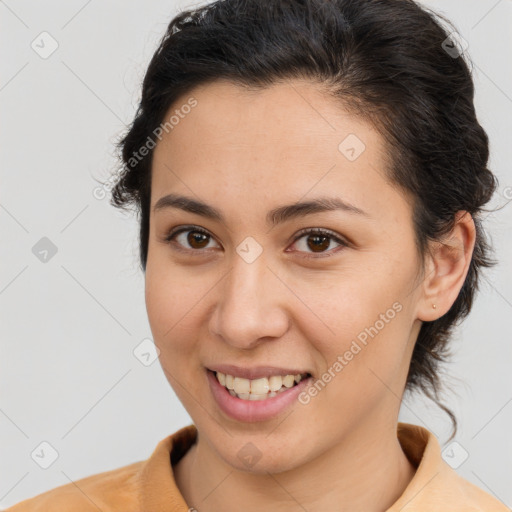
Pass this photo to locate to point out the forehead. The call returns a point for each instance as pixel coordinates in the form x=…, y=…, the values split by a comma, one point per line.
x=289, y=139
x=294, y=114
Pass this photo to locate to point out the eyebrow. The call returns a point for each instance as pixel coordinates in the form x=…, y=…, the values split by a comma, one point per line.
x=276, y=216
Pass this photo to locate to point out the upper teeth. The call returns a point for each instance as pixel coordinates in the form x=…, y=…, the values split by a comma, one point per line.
x=257, y=386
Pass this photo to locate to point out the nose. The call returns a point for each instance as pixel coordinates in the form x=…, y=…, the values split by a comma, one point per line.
x=250, y=305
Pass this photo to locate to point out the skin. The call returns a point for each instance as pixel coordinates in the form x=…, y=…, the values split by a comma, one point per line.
x=246, y=153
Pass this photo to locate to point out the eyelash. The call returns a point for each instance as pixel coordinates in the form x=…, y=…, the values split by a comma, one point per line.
x=316, y=231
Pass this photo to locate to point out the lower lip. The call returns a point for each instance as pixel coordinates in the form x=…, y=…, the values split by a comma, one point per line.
x=253, y=410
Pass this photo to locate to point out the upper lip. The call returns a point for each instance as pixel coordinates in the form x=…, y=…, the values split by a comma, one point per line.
x=255, y=372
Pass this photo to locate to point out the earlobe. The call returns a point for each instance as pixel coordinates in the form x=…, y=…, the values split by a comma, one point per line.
x=448, y=265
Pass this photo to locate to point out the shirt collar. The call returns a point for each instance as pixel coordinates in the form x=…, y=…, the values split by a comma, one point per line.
x=434, y=485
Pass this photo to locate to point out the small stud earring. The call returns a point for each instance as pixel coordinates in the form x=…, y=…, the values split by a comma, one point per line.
x=434, y=306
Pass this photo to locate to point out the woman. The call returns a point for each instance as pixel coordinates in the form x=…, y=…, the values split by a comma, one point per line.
x=309, y=176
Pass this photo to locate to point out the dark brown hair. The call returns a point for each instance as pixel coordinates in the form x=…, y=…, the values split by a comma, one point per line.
x=391, y=62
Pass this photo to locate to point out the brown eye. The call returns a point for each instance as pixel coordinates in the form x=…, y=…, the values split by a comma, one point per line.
x=197, y=240
x=189, y=239
x=318, y=241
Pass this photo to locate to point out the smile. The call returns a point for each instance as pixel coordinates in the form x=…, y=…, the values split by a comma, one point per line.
x=257, y=399
x=258, y=389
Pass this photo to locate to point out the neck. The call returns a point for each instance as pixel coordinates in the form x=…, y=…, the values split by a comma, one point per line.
x=367, y=471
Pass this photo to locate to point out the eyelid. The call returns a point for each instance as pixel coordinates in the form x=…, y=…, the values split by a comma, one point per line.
x=175, y=231
x=322, y=231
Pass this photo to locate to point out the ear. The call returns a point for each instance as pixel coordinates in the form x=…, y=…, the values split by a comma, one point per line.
x=446, y=268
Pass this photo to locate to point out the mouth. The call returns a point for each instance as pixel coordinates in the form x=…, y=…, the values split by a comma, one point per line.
x=262, y=388
x=254, y=401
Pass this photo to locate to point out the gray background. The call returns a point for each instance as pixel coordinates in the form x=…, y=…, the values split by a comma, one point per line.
x=70, y=325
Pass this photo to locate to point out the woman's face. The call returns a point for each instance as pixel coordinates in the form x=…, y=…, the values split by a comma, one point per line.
x=254, y=291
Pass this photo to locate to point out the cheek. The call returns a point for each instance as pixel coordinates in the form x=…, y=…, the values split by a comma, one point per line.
x=174, y=303
x=167, y=305
x=159, y=301
x=365, y=325
x=166, y=302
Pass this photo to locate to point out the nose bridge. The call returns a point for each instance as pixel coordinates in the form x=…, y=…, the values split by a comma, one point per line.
x=250, y=304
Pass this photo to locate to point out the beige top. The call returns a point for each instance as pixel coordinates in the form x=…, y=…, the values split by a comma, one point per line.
x=149, y=486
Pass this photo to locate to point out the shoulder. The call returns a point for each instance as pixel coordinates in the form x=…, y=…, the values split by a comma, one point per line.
x=473, y=497
x=436, y=485
x=144, y=485
x=117, y=489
